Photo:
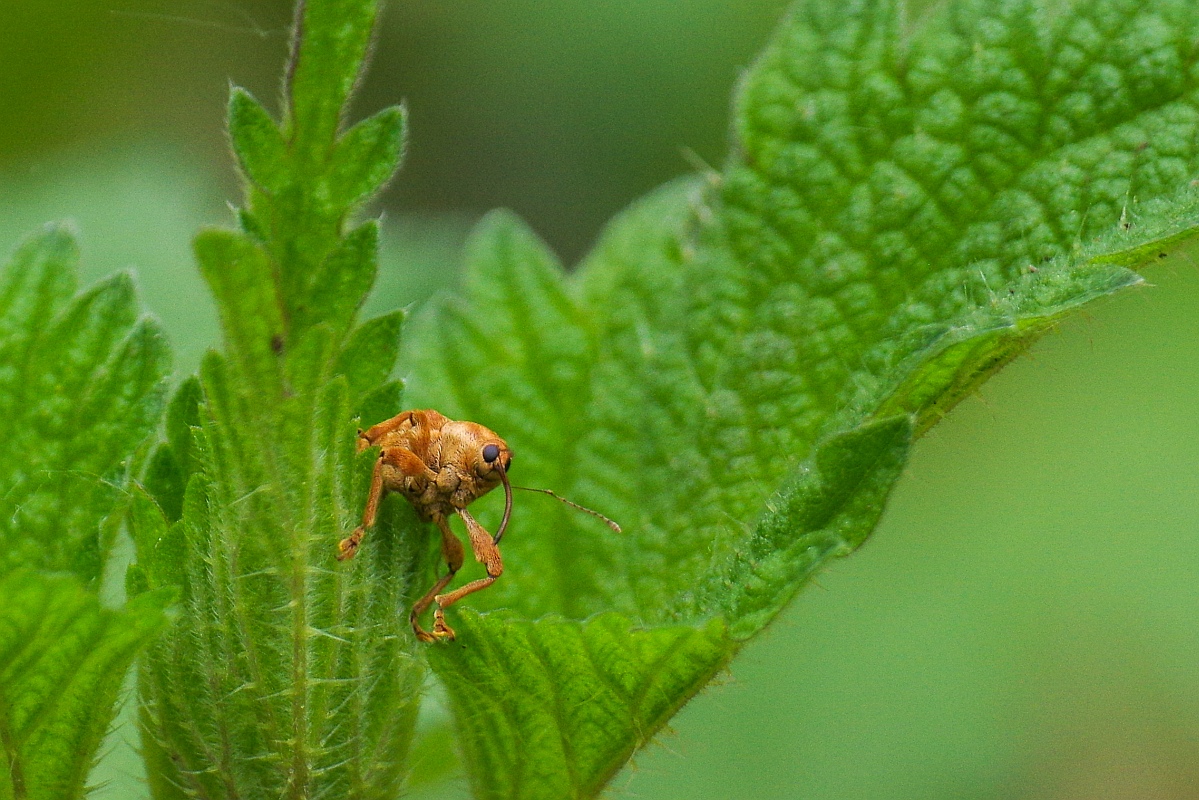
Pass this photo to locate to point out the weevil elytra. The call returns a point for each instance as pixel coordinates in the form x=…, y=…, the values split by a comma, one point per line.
x=441, y=466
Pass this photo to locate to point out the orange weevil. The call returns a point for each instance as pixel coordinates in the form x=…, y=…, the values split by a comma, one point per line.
x=441, y=466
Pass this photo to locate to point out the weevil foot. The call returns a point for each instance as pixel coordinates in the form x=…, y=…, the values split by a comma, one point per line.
x=440, y=629
x=347, y=548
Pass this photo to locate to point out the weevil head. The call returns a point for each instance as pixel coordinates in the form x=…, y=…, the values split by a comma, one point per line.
x=486, y=459
x=480, y=456
x=492, y=456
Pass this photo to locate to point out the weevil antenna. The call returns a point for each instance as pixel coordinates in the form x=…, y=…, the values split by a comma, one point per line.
x=584, y=509
x=499, y=534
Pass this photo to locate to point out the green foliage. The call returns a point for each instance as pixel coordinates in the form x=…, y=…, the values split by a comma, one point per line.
x=63, y=662
x=574, y=693
x=286, y=674
x=80, y=389
x=307, y=175
x=736, y=372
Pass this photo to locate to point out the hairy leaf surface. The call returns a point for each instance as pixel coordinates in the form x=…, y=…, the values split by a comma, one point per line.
x=62, y=662
x=578, y=694
x=735, y=373
x=81, y=385
x=287, y=673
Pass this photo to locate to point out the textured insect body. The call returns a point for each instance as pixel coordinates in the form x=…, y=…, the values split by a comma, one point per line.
x=441, y=466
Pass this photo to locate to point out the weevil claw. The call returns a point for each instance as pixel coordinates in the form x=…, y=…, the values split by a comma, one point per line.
x=347, y=548
x=440, y=629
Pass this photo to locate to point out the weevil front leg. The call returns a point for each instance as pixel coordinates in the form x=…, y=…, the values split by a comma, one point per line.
x=402, y=459
x=347, y=548
x=488, y=554
x=451, y=550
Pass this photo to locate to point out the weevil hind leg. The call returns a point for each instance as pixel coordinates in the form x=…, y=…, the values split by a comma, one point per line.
x=488, y=554
x=454, y=554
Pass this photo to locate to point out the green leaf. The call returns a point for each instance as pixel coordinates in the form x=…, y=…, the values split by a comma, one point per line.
x=81, y=386
x=825, y=510
x=306, y=178
x=512, y=358
x=287, y=674
x=173, y=462
x=382, y=402
x=579, y=695
x=735, y=373
x=158, y=544
x=341, y=281
x=240, y=275
x=62, y=662
x=81, y=389
x=328, y=51
x=276, y=652
x=370, y=353
x=257, y=142
x=183, y=414
x=368, y=155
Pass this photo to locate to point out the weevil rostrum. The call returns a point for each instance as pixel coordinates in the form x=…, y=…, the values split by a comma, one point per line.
x=442, y=466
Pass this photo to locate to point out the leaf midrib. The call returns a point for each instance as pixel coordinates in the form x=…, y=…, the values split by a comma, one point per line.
x=16, y=770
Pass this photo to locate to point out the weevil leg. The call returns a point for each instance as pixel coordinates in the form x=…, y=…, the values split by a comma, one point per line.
x=348, y=547
x=451, y=550
x=407, y=462
x=488, y=554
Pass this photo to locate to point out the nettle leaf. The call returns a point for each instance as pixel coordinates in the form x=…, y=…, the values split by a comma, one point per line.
x=299, y=213
x=286, y=674
x=305, y=175
x=572, y=692
x=736, y=372
x=257, y=142
x=825, y=510
x=368, y=357
x=346, y=274
x=368, y=155
x=81, y=386
x=328, y=52
x=173, y=461
x=62, y=662
x=276, y=652
x=519, y=357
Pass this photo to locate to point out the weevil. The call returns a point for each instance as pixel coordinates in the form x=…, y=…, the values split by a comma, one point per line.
x=441, y=466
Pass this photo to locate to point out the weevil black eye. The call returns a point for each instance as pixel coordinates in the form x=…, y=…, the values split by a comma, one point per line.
x=491, y=452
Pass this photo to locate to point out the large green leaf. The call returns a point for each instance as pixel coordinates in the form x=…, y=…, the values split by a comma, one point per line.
x=580, y=695
x=277, y=651
x=81, y=388
x=286, y=674
x=734, y=374
x=62, y=663
x=81, y=385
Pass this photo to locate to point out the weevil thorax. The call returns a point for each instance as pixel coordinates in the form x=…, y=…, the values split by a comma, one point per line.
x=439, y=464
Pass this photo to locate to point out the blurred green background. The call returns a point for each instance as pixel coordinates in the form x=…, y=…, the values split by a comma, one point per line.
x=1024, y=622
